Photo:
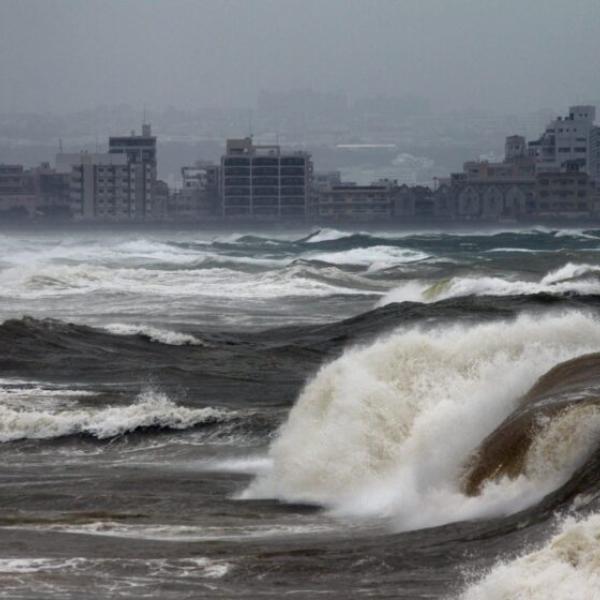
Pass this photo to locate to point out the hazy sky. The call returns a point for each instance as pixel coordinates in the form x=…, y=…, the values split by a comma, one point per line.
x=505, y=55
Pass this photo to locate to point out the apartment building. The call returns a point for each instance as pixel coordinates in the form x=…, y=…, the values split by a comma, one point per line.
x=262, y=181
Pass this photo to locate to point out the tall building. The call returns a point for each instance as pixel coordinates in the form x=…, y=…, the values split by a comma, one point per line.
x=573, y=139
x=102, y=185
x=140, y=151
x=262, y=181
x=117, y=185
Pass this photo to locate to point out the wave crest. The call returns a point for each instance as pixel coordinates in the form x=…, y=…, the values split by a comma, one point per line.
x=151, y=410
x=386, y=429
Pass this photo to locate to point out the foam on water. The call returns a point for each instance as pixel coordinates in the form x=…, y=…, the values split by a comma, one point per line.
x=155, y=334
x=152, y=409
x=565, y=568
x=374, y=258
x=326, y=235
x=386, y=429
x=570, y=278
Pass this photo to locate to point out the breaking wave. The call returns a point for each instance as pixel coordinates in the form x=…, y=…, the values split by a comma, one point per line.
x=565, y=567
x=387, y=430
x=570, y=278
x=151, y=410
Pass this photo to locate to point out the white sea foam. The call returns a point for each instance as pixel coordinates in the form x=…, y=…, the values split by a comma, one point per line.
x=152, y=409
x=374, y=257
x=155, y=334
x=55, y=281
x=565, y=568
x=387, y=429
x=570, y=278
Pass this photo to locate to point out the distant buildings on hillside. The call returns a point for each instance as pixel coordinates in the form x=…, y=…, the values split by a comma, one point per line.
x=554, y=176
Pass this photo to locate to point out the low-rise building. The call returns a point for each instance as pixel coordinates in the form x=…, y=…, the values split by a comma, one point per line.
x=570, y=193
x=199, y=197
x=17, y=196
x=355, y=202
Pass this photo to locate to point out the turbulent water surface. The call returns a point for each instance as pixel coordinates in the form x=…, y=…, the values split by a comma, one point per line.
x=313, y=414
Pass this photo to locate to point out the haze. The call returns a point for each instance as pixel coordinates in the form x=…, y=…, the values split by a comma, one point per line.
x=62, y=55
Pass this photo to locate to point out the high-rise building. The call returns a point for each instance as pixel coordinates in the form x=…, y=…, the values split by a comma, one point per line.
x=102, y=185
x=140, y=151
x=117, y=185
x=262, y=181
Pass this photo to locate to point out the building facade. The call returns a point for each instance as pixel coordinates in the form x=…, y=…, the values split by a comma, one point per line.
x=17, y=196
x=140, y=152
x=199, y=196
x=355, y=202
x=262, y=181
x=572, y=139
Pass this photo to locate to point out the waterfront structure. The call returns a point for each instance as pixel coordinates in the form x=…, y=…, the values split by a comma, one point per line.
x=570, y=193
x=118, y=185
x=102, y=185
x=17, y=197
x=199, y=196
x=262, y=181
x=348, y=201
x=491, y=190
x=572, y=139
x=140, y=151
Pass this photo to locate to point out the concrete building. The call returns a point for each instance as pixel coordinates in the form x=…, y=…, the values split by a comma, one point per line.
x=492, y=190
x=199, y=195
x=17, y=196
x=140, y=151
x=355, y=202
x=570, y=193
x=52, y=191
x=264, y=182
x=102, y=185
x=571, y=139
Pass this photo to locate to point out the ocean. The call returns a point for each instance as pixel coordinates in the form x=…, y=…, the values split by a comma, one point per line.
x=304, y=414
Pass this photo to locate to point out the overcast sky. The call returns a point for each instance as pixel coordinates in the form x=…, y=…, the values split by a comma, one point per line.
x=504, y=55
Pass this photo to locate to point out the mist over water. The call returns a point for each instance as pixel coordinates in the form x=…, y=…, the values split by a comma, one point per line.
x=193, y=414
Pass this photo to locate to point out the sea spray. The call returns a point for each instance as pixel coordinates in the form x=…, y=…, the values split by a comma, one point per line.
x=566, y=567
x=386, y=429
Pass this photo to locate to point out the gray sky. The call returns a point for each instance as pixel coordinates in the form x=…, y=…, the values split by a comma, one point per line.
x=504, y=55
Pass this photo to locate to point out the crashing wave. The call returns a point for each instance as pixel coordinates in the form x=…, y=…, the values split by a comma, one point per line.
x=387, y=429
x=565, y=567
x=554, y=427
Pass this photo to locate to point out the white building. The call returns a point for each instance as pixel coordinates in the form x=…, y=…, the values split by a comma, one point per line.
x=573, y=139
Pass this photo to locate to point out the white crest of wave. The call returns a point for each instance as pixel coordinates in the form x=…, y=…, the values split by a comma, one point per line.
x=386, y=429
x=374, y=258
x=155, y=334
x=52, y=281
x=152, y=409
x=567, y=567
x=326, y=235
x=575, y=278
